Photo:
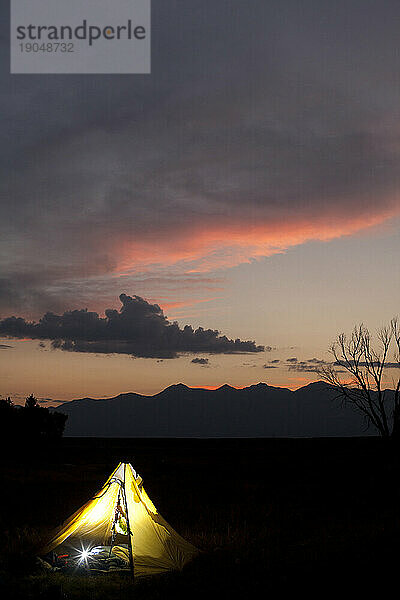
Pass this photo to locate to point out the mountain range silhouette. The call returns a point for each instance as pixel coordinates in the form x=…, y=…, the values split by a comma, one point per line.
x=259, y=410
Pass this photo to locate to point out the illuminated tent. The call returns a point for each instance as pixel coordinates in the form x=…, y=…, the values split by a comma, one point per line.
x=121, y=521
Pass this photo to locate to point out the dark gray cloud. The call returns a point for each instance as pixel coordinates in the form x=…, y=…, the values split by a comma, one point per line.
x=306, y=366
x=264, y=115
x=311, y=365
x=388, y=364
x=139, y=329
x=314, y=365
x=200, y=361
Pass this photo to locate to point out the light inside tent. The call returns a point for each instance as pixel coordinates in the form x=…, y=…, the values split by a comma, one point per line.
x=152, y=539
x=84, y=554
x=103, y=507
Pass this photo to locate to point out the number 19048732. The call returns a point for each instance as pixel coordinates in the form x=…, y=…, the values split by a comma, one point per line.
x=47, y=47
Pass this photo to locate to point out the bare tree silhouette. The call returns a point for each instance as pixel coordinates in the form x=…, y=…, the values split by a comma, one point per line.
x=367, y=367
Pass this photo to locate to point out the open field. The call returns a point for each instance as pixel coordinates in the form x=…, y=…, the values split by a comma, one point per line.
x=270, y=515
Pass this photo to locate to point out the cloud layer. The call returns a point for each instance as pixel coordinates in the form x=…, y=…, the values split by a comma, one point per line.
x=200, y=361
x=256, y=131
x=139, y=329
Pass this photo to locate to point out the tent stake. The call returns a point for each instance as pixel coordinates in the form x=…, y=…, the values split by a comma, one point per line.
x=131, y=564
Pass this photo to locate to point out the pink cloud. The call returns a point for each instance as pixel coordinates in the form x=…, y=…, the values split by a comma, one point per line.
x=205, y=246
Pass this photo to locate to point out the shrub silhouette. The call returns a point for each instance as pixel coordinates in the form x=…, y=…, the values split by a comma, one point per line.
x=31, y=423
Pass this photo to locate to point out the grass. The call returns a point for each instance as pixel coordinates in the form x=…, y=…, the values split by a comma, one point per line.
x=268, y=515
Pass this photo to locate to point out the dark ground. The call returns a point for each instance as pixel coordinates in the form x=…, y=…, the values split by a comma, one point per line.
x=272, y=516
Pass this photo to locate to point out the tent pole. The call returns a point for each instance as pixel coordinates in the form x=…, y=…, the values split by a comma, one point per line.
x=131, y=564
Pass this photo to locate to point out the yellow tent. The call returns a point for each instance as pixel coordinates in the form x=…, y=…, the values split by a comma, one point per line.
x=121, y=522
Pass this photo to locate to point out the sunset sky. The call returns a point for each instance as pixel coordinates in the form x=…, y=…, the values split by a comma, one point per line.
x=249, y=185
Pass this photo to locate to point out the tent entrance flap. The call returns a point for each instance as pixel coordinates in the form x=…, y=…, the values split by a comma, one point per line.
x=122, y=524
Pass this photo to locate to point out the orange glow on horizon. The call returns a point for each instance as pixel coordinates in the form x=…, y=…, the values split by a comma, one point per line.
x=219, y=385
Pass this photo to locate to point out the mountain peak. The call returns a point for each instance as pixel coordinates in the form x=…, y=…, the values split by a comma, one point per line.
x=315, y=385
x=259, y=386
x=176, y=387
x=225, y=388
